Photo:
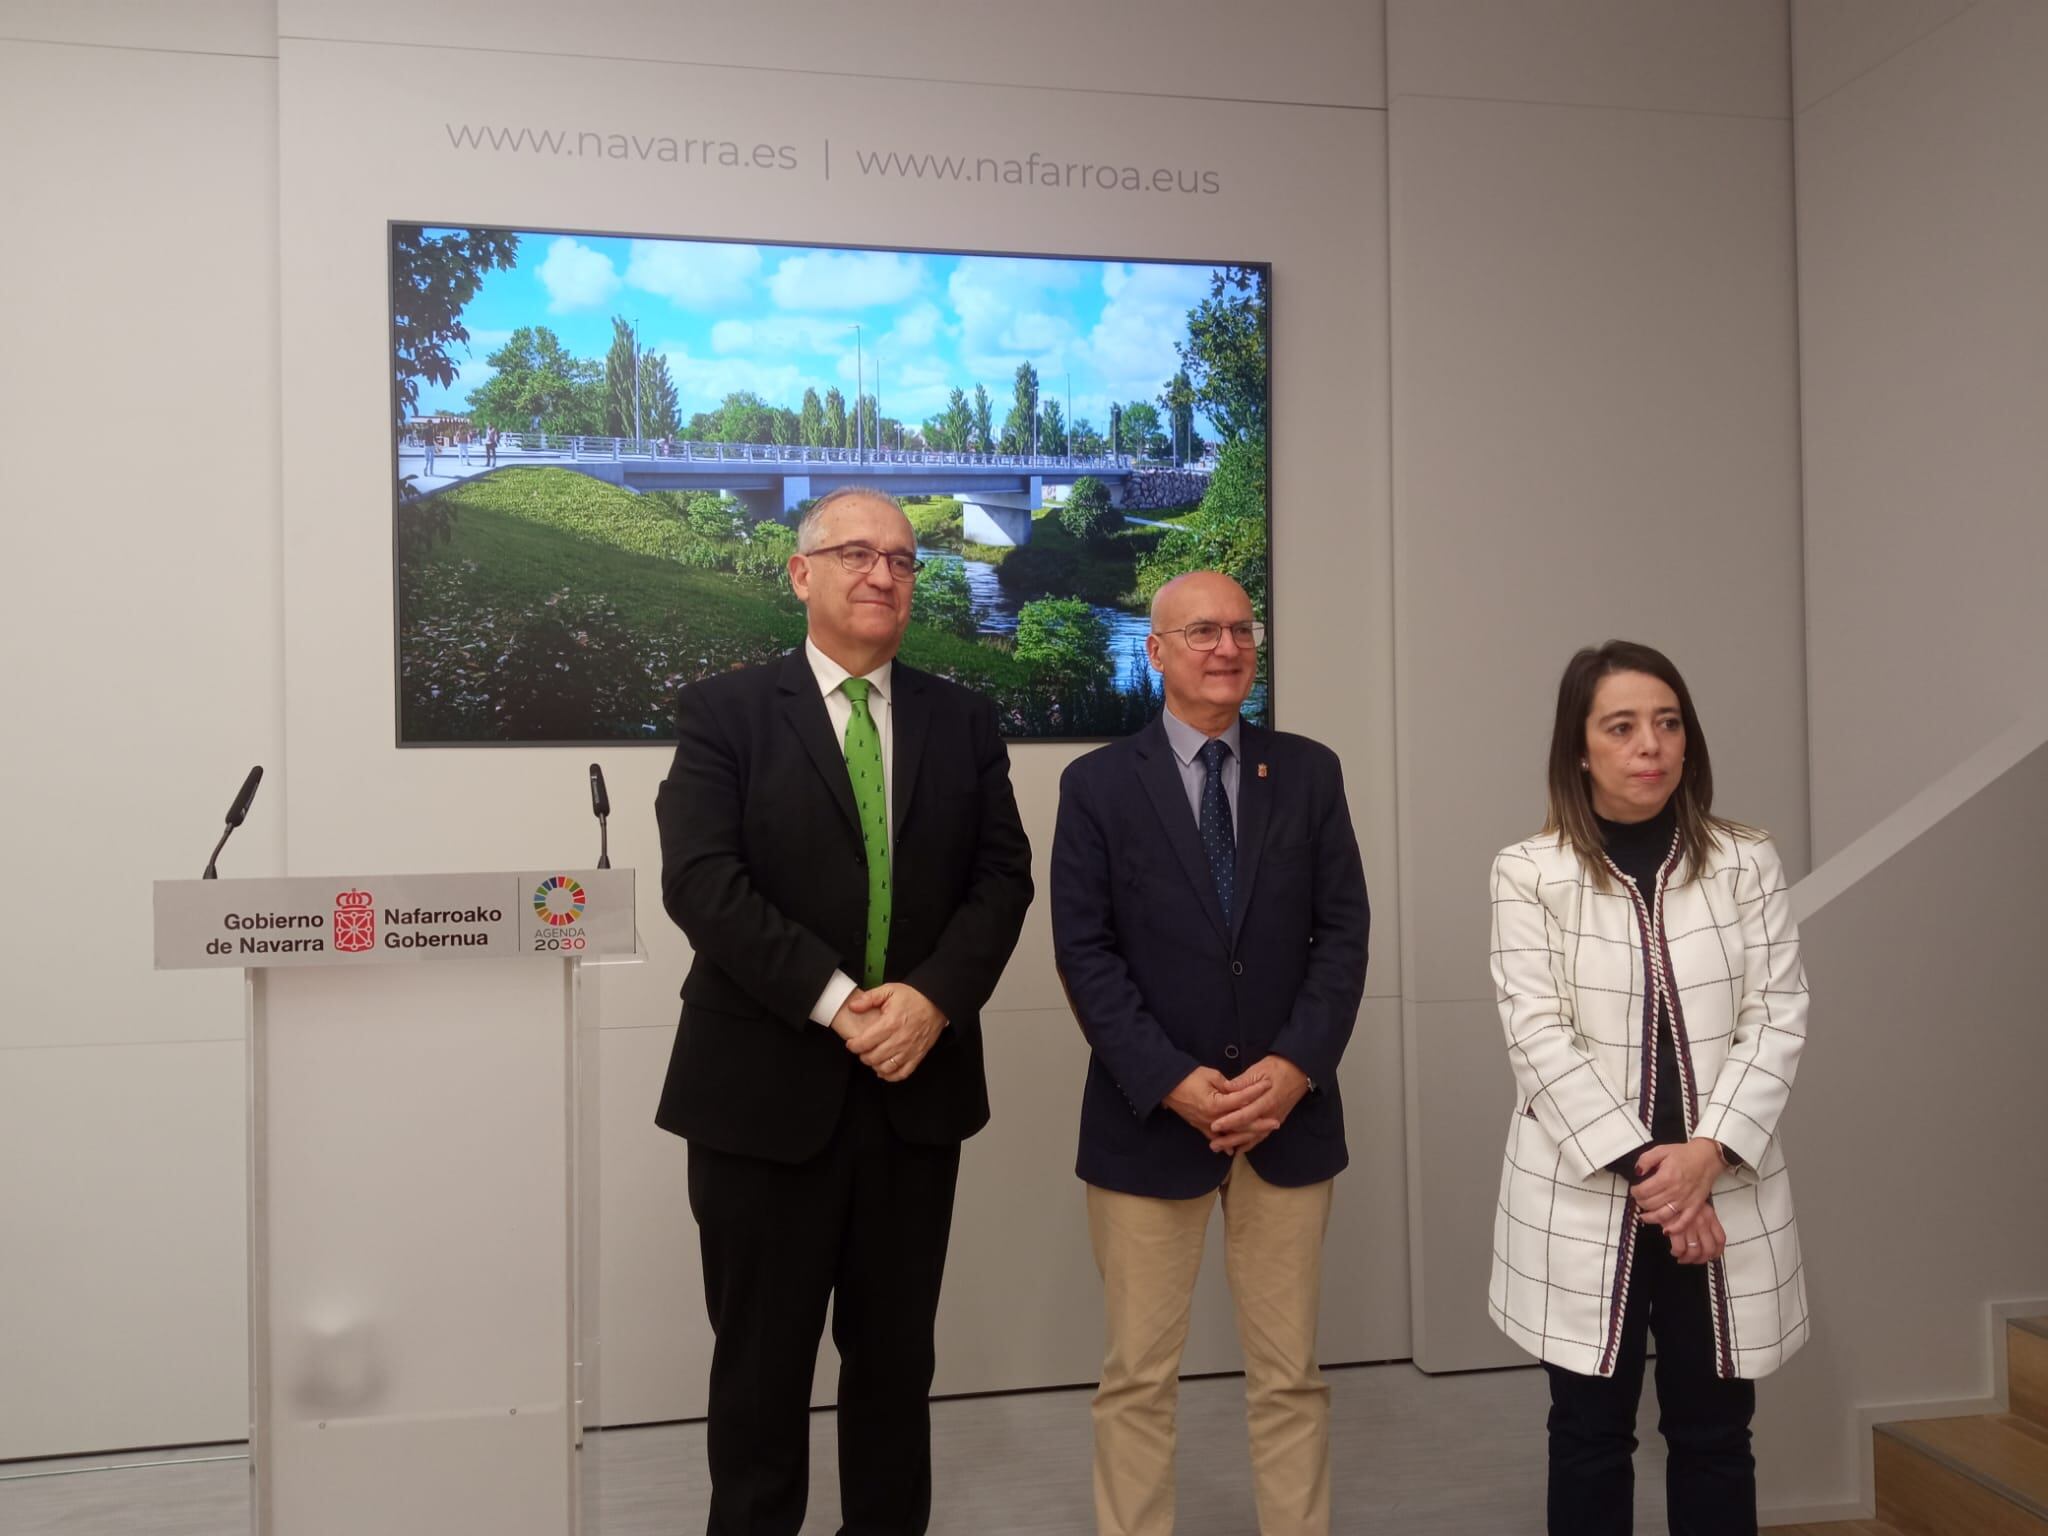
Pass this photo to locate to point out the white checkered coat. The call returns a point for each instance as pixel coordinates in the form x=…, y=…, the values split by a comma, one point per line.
x=1576, y=1003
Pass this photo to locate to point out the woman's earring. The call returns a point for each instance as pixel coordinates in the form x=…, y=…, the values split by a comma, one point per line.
x=1584, y=766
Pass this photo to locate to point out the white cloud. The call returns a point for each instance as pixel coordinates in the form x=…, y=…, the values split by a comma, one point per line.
x=1001, y=302
x=575, y=276
x=773, y=334
x=915, y=329
x=1131, y=347
x=702, y=382
x=845, y=279
x=693, y=275
x=732, y=336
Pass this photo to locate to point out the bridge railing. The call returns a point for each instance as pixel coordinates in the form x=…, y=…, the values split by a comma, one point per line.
x=583, y=446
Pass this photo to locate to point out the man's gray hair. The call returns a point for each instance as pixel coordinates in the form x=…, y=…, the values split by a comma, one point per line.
x=807, y=535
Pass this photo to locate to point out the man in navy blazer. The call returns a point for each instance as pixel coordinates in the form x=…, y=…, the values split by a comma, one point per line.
x=1210, y=921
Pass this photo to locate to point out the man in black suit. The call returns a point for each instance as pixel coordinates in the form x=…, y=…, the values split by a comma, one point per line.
x=1209, y=918
x=841, y=846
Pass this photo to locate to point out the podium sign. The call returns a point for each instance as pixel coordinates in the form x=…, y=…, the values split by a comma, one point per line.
x=422, y=1330
x=358, y=920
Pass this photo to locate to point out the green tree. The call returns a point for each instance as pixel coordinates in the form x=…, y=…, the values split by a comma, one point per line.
x=788, y=427
x=538, y=381
x=811, y=421
x=952, y=428
x=1178, y=401
x=1225, y=355
x=1088, y=514
x=1052, y=428
x=1023, y=415
x=709, y=516
x=621, y=372
x=1064, y=640
x=766, y=555
x=744, y=417
x=432, y=281
x=1141, y=435
x=942, y=600
x=1227, y=532
x=984, y=422
x=865, y=413
x=433, y=278
x=660, y=414
x=1085, y=439
x=836, y=434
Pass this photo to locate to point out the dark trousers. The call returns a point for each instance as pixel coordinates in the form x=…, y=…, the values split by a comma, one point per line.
x=864, y=1224
x=1709, y=1473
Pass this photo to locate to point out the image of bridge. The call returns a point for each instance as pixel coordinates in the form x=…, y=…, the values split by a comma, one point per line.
x=998, y=492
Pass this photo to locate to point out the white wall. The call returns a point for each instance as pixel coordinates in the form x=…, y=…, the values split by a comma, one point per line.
x=1920, y=135
x=1595, y=434
x=1914, y=1135
x=154, y=130
x=1923, y=213
x=138, y=306
x=1301, y=187
x=1569, y=225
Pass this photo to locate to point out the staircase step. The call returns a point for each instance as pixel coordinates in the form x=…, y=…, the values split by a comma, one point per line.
x=2026, y=1368
x=1984, y=1475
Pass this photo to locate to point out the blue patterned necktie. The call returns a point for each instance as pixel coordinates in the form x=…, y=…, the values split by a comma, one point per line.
x=1219, y=838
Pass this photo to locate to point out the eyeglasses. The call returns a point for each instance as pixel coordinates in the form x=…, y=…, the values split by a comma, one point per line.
x=1205, y=634
x=859, y=559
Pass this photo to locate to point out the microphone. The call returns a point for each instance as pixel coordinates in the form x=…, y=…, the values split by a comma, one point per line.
x=237, y=814
x=601, y=808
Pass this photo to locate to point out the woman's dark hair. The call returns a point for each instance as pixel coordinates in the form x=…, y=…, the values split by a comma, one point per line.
x=1571, y=795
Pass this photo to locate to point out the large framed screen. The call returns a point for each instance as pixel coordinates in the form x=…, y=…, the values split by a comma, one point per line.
x=601, y=445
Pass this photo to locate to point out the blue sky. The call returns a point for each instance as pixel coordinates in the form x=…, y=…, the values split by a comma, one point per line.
x=778, y=319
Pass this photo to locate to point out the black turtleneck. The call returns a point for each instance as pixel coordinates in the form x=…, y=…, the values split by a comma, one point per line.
x=1638, y=849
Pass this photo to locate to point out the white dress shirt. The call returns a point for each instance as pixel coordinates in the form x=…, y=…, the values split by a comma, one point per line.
x=840, y=708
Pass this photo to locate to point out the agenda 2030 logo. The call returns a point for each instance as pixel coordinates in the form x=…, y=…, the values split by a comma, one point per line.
x=559, y=901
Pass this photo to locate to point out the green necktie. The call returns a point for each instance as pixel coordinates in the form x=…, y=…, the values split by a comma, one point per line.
x=871, y=799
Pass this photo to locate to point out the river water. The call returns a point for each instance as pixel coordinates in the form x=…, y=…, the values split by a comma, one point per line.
x=995, y=613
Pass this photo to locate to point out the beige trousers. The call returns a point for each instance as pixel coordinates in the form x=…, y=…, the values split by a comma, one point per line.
x=1149, y=1252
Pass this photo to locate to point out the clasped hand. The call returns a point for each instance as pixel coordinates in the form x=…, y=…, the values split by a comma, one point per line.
x=890, y=1028
x=1237, y=1113
x=1675, y=1182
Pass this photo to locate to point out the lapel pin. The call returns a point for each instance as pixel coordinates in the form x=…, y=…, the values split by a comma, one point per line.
x=1262, y=770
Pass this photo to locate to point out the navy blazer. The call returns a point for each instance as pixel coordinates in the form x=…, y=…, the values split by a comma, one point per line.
x=1159, y=984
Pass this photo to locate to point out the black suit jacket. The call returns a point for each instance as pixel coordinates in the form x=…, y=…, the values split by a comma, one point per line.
x=763, y=869
x=1161, y=985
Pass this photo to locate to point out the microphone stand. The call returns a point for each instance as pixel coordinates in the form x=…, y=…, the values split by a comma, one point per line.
x=226, y=832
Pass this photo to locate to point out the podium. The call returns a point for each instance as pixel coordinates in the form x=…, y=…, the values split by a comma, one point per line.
x=422, y=1322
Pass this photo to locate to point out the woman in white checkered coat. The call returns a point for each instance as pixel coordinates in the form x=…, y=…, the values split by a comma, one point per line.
x=1647, y=969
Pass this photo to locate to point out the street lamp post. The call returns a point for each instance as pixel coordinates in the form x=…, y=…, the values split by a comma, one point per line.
x=637, y=433
x=859, y=438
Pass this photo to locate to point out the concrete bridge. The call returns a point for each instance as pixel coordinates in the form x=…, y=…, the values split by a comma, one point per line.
x=998, y=492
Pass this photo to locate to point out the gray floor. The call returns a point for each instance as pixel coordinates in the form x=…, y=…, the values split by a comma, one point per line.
x=1414, y=1455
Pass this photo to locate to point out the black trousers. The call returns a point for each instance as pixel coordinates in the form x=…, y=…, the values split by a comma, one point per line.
x=864, y=1224
x=1709, y=1473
